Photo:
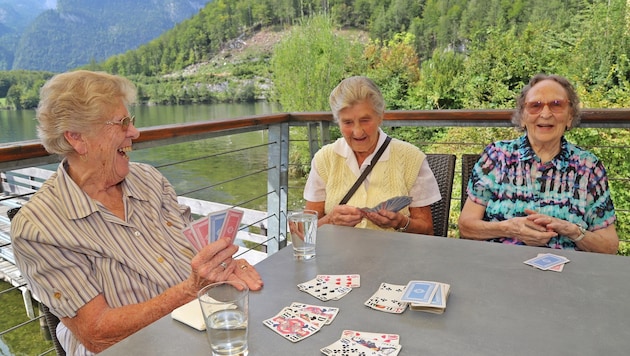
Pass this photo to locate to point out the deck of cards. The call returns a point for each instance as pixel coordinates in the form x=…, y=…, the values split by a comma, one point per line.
x=327, y=287
x=218, y=225
x=388, y=299
x=427, y=296
x=394, y=204
x=548, y=262
x=299, y=321
x=364, y=343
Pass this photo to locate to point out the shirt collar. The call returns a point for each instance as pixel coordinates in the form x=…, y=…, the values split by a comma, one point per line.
x=527, y=152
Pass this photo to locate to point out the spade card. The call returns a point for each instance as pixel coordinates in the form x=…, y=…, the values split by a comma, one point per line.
x=329, y=312
x=323, y=290
x=387, y=299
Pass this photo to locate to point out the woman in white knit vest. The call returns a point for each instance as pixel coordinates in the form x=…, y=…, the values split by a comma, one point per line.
x=402, y=170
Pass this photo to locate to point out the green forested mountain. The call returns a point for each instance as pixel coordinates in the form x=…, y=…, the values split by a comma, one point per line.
x=77, y=32
x=14, y=18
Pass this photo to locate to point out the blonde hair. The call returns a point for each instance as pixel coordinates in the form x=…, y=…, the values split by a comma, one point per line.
x=352, y=90
x=78, y=101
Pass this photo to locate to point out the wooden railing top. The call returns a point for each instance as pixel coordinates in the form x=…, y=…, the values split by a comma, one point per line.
x=33, y=153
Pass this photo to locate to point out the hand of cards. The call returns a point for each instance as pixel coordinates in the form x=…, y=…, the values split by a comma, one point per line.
x=364, y=343
x=218, y=225
x=418, y=295
x=394, y=204
x=300, y=320
x=330, y=287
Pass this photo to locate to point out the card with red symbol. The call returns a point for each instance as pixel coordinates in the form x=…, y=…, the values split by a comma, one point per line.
x=346, y=280
x=292, y=324
x=388, y=299
x=388, y=338
x=361, y=346
x=329, y=312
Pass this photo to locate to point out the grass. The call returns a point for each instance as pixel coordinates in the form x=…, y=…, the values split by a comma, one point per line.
x=25, y=340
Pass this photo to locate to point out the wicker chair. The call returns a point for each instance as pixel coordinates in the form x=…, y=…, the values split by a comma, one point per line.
x=443, y=167
x=468, y=162
x=51, y=319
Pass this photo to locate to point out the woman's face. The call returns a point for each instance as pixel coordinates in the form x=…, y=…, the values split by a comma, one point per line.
x=546, y=113
x=359, y=125
x=108, y=146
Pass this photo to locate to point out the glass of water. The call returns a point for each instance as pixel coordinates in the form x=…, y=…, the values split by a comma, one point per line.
x=225, y=309
x=303, y=231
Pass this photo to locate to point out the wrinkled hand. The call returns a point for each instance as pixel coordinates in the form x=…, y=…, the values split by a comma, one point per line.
x=245, y=272
x=559, y=226
x=384, y=218
x=345, y=215
x=530, y=232
x=212, y=264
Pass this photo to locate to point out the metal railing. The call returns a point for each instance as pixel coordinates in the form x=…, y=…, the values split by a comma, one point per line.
x=265, y=232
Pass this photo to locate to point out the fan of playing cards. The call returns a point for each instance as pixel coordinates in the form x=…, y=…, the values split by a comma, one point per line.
x=218, y=225
x=394, y=204
x=300, y=320
x=364, y=343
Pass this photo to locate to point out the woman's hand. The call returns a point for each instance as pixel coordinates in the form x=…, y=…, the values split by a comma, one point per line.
x=212, y=264
x=344, y=215
x=245, y=272
x=386, y=219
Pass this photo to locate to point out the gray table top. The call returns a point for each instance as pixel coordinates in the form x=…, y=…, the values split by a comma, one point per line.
x=498, y=305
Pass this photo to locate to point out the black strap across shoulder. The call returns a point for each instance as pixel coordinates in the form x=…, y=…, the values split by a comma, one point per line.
x=365, y=172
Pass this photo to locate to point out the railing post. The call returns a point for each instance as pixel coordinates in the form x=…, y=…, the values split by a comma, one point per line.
x=277, y=186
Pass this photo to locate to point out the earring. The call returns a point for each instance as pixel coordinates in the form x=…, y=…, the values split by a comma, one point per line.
x=84, y=157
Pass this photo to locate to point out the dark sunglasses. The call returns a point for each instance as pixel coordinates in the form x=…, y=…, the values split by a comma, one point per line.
x=124, y=122
x=555, y=106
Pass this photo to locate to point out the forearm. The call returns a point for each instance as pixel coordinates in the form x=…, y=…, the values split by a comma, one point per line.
x=100, y=330
x=602, y=241
x=474, y=229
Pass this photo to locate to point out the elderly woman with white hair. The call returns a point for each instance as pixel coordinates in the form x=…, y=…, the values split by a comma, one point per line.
x=540, y=189
x=401, y=170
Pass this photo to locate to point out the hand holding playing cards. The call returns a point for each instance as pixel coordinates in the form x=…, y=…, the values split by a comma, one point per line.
x=214, y=263
x=345, y=215
x=386, y=219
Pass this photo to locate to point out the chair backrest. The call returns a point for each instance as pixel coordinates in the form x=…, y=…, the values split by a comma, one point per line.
x=51, y=320
x=468, y=162
x=443, y=167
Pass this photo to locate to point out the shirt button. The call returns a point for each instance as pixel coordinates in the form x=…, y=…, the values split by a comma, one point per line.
x=137, y=233
x=57, y=295
x=160, y=259
x=168, y=223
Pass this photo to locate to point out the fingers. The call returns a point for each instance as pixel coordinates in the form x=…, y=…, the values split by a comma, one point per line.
x=247, y=273
x=214, y=262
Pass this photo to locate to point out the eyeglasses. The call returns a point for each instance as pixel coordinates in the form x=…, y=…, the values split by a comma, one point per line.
x=555, y=106
x=124, y=122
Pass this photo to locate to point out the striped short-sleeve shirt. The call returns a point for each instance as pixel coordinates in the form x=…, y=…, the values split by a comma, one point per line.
x=70, y=248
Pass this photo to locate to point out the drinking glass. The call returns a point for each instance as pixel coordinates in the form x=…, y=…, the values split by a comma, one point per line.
x=303, y=231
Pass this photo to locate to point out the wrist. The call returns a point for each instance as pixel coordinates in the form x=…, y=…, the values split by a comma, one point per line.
x=405, y=226
x=581, y=233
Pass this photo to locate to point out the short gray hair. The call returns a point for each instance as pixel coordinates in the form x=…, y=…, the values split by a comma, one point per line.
x=574, y=100
x=77, y=101
x=352, y=90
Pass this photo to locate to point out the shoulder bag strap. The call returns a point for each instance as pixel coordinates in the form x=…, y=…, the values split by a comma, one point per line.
x=365, y=172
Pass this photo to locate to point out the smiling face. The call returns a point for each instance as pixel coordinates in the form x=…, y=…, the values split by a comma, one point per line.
x=359, y=125
x=107, y=149
x=545, y=128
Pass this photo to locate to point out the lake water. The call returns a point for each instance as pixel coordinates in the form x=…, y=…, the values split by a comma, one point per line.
x=218, y=161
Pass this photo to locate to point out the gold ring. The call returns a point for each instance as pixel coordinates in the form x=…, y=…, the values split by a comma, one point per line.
x=223, y=264
x=243, y=266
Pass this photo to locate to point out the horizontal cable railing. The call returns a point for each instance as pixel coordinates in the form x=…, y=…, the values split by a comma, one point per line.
x=266, y=190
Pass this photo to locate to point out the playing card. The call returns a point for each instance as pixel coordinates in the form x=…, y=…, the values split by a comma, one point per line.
x=216, y=220
x=291, y=326
x=190, y=236
x=546, y=261
x=387, y=299
x=348, y=280
x=329, y=312
x=231, y=224
x=360, y=347
x=394, y=204
x=323, y=290
x=200, y=227
x=419, y=292
x=556, y=268
x=388, y=338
